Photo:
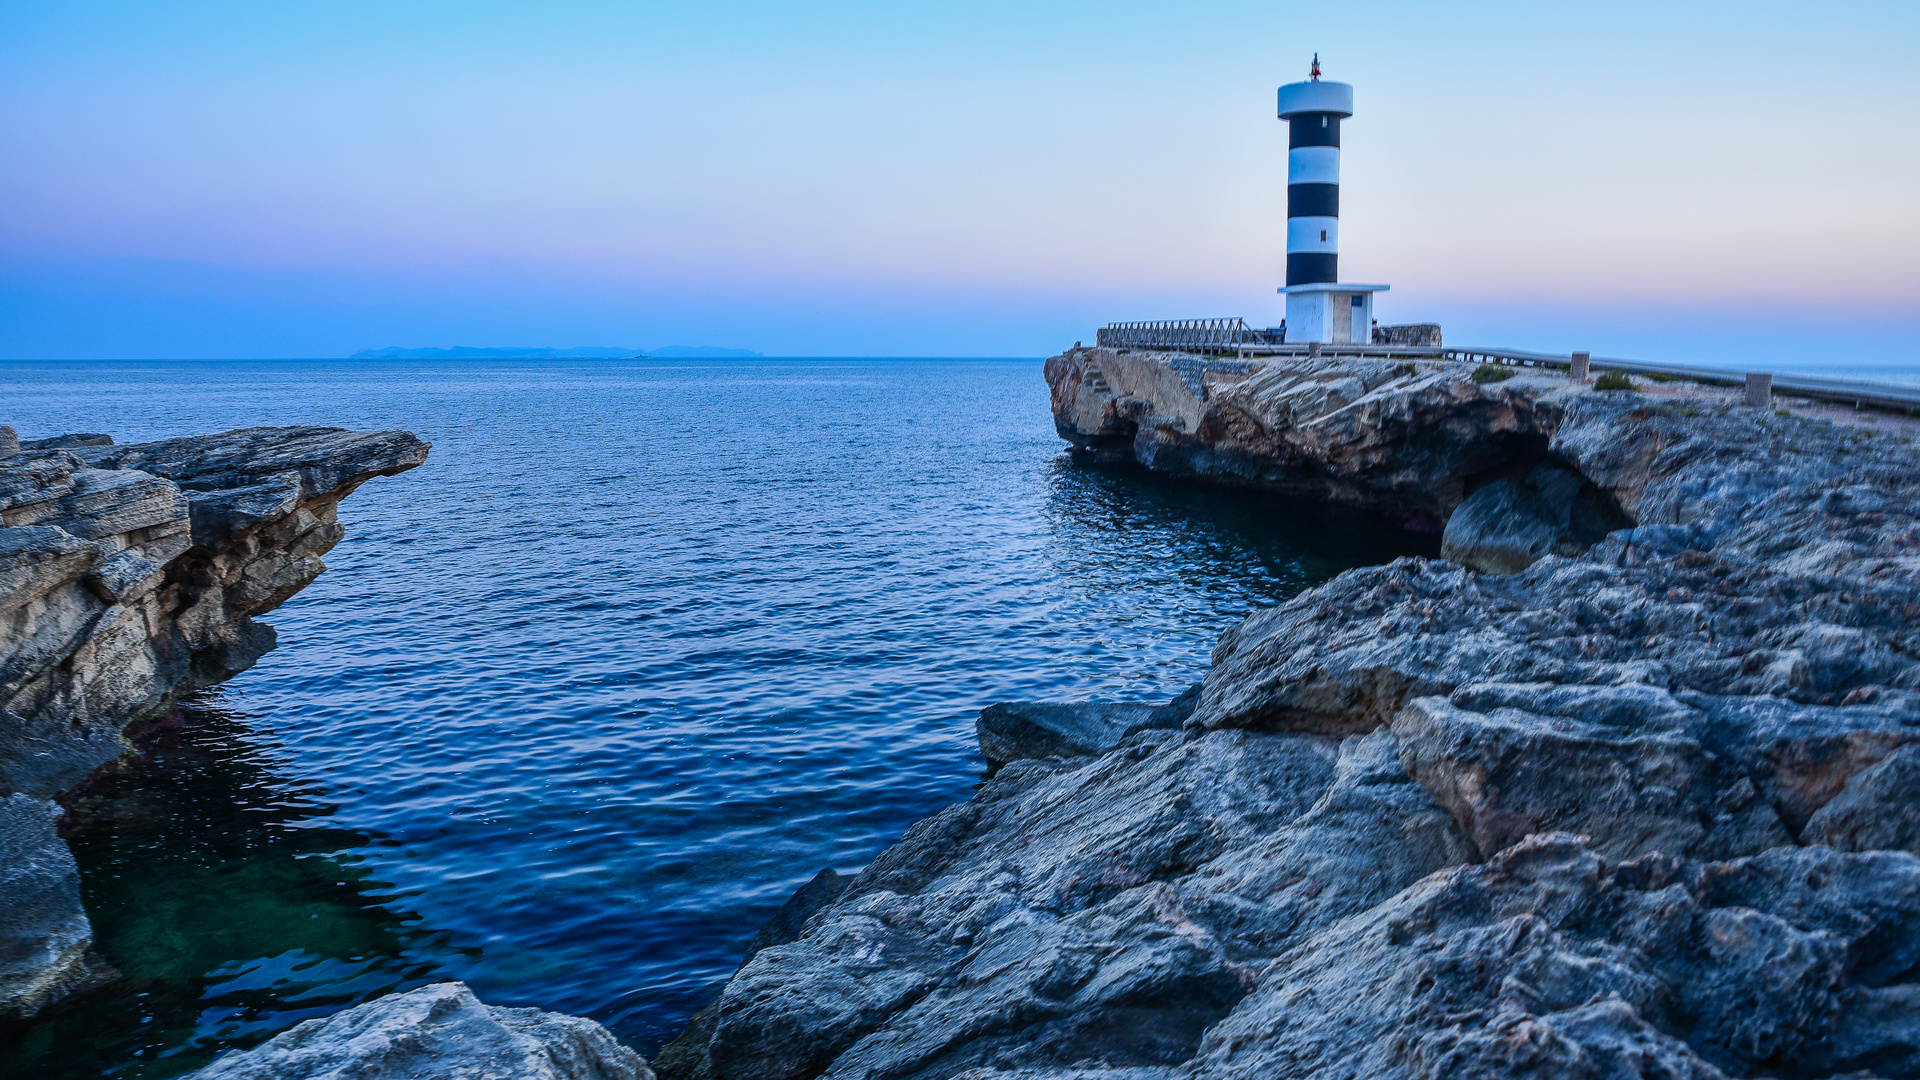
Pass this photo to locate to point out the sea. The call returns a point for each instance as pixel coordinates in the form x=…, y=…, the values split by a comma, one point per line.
x=642, y=647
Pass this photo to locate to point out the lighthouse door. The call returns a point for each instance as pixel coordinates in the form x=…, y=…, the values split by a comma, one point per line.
x=1342, y=318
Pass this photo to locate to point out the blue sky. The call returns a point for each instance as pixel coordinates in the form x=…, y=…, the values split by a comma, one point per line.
x=1682, y=181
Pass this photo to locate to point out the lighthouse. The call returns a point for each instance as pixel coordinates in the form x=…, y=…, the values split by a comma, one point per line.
x=1319, y=307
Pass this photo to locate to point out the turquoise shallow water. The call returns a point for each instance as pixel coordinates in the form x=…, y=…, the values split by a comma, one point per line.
x=641, y=648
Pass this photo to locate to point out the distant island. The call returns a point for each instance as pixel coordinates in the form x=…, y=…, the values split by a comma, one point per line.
x=578, y=352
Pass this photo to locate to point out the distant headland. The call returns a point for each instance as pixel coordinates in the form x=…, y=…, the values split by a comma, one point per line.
x=579, y=352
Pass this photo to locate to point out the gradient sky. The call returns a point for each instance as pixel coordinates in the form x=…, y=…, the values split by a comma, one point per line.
x=1671, y=181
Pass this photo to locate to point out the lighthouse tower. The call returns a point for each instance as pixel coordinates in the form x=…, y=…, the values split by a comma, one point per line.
x=1318, y=307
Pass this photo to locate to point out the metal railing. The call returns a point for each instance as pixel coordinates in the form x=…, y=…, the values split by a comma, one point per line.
x=1235, y=336
x=1210, y=335
x=1842, y=391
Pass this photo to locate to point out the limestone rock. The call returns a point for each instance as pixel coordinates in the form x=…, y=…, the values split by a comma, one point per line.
x=788, y=923
x=1012, y=730
x=1093, y=910
x=62, y=442
x=436, y=1031
x=1551, y=961
x=1878, y=809
x=130, y=575
x=1375, y=432
x=1505, y=774
x=1631, y=793
x=46, y=942
x=1513, y=522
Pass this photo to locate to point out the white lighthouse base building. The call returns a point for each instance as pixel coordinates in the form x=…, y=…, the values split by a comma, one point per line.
x=1330, y=313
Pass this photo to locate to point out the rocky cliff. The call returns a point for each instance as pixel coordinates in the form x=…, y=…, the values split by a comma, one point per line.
x=130, y=575
x=1629, y=786
x=1416, y=438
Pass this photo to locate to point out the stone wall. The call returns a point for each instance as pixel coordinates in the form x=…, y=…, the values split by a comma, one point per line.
x=1408, y=334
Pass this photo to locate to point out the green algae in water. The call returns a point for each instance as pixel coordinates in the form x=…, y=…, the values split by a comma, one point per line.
x=228, y=904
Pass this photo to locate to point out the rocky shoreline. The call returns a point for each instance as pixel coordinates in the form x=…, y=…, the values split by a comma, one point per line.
x=129, y=576
x=1627, y=787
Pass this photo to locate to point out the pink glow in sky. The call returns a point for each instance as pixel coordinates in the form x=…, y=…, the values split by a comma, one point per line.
x=217, y=179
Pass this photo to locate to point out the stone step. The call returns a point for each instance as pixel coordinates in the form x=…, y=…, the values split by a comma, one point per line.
x=1096, y=380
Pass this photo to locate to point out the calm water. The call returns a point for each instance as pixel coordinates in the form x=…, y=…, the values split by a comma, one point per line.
x=1826, y=367
x=641, y=648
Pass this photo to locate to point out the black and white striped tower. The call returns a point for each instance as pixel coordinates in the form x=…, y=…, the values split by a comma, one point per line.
x=1318, y=309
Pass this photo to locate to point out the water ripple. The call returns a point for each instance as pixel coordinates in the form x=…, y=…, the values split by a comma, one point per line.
x=641, y=648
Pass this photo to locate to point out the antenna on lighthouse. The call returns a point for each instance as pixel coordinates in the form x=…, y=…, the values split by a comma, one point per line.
x=1314, y=75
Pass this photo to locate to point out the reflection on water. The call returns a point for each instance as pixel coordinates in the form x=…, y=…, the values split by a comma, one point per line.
x=639, y=649
x=230, y=906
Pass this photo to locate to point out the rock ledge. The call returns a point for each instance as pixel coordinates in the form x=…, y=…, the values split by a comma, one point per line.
x=130, y=575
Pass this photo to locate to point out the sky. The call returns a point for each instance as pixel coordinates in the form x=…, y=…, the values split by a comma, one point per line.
x=1671, y=181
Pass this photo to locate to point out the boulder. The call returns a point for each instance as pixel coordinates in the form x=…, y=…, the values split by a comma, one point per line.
x=1515, y=521
x=436, y=1031
x=1012, y=730
x=1505, y=773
